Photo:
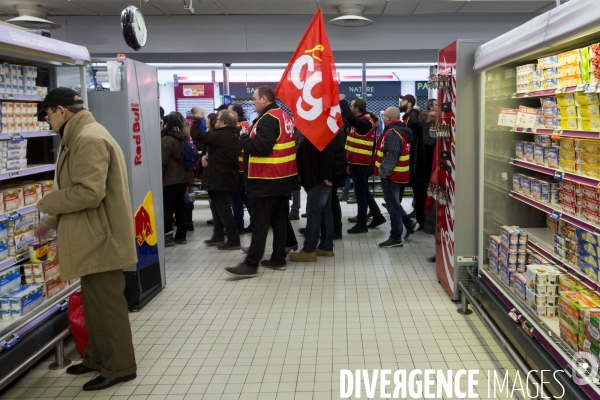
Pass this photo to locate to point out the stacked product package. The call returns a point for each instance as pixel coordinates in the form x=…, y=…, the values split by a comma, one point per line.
x=577, y=247
x=18, y=195
x=33, y=281
x=571, y=68
x=543, y=151
x=13, y=155
x=524, y=271
x=538, y=187
x=20, y=117
x=20, y=79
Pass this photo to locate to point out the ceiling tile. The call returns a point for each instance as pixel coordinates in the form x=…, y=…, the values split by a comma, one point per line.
x=437, y=7
x=486, y=6
x=401, y=6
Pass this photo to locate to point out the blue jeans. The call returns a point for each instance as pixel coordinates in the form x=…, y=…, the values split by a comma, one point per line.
x=398, y=217
x=346, y=188
x=238, y=200
x=319, y=219
x=364, y=198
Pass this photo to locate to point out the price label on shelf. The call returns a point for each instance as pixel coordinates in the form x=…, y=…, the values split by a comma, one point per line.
x=13, y=174
x=13, y=216
x=559, y=176
x=592, y=88
x=16, y=137
x=557, y=134
x=559, y=90
x=527, y=328
x=555, y=216
x=507, y=117
x=8, y=96
x=581, y=88
x=514, y=314
x=526, y=117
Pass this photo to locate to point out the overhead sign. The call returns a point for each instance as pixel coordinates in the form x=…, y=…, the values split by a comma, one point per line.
x=194, y=90
x=421, y=89
x=375, y=89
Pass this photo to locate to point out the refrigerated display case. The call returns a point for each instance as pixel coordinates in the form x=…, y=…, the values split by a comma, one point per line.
x=538, y=190
x=24, y=339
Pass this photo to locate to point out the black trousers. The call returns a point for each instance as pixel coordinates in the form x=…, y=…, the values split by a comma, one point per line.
x=420, y=193
x=268, y=211
x=337, y=212
x=220, y=205
x=173, y=203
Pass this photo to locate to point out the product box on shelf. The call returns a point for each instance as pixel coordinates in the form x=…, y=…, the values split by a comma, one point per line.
x=495, y=264
x=589, y=248
x=10, y=280
x=24, y=224
x=38, y=251
x=585, y=236
x=52, y=287
x=21, y=242
x=13, y=198
x=569, y=284
x=507, y=275
x=520, y=286
x=569, y=335
x=510, y=235
x=25, y=300
x=47, y=270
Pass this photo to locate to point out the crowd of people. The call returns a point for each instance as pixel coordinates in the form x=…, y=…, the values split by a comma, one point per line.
x=262, y=166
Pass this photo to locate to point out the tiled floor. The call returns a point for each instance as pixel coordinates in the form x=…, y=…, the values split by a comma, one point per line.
x=286, y=335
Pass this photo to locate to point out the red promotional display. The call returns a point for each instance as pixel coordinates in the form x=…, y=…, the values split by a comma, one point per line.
x=309, y=86
x=191, y=94
x=446, y=176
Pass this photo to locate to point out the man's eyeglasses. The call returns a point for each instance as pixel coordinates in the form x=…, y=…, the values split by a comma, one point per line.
x=51, y=112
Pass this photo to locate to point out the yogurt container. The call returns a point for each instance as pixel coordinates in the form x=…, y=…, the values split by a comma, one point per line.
x=520, y=151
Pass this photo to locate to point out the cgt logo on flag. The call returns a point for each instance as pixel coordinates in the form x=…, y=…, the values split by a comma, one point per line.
x=309, y=86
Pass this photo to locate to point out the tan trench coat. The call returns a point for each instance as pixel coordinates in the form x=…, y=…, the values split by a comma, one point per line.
x=91, y=210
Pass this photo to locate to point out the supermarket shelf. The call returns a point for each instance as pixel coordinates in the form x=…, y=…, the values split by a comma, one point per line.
x=545, y=330
x=554, y=208
x=27, y=135
x=23, y=210
x=9, y=262
x=27, y=171
x=21, y=97
x=586, y=180
x=565, y=133
x=497, y=157
x=542, y=241
x=20, y=326
x=548, y=92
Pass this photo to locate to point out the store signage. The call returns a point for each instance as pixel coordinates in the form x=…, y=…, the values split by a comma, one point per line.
x=135, y=108
x=40, y=43
x=526, y=117
x=243, y=90
x=375, y=89
x=193, y=90
x=421, y=89
x=507, y=117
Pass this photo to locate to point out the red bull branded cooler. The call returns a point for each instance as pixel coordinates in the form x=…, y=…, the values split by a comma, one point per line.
x=130, y=112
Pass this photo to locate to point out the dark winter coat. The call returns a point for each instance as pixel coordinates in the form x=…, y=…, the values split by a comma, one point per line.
x=340, y=164
x=314, y=166
x=418, y=155
x=222, y=171
x=267, y=132
x=172, y=159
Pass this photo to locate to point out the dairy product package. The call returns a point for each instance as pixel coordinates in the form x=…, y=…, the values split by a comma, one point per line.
x=23, y=224
x=52, y=287
x=21, y=242
x=25, y=300
x=10, y=280
x=545, y=63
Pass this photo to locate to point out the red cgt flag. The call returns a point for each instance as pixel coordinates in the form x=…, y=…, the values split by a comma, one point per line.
x=309, y=86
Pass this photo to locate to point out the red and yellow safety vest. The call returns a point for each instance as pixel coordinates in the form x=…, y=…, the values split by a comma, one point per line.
x=281, y=162
x=359, y=148
x=401, y=173
x=245, y=125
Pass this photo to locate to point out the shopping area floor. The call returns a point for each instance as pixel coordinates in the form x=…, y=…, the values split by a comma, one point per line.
x=285, y=335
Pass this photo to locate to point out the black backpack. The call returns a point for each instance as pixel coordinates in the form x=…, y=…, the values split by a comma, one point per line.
x=190, y=154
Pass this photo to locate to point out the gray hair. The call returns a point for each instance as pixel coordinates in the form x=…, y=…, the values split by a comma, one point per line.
x=75, y=108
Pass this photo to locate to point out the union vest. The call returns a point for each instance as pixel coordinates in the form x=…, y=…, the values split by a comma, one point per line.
x=401, y=173
x=281, y=161
x=359, y=148
x=245, y=125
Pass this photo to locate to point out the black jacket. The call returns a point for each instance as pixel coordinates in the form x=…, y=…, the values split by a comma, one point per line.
x=267, y=132
x=314, y=166
x=362, y=126
x=195, y=130
x=417, y=151
x=340, y=164
x=222, y=171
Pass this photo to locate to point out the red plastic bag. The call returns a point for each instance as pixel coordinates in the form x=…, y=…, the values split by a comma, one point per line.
x=77, y=321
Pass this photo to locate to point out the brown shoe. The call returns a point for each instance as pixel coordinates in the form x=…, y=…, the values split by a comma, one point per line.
x=323, y=253
x=353, y=219
x=303, y=256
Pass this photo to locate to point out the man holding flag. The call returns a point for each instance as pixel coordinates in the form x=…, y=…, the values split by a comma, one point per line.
x=270, y=174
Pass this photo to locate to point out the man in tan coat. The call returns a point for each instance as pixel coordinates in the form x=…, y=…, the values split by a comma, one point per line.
x=90, y=208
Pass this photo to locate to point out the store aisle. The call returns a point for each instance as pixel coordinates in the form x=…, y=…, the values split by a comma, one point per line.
x=286, y=335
